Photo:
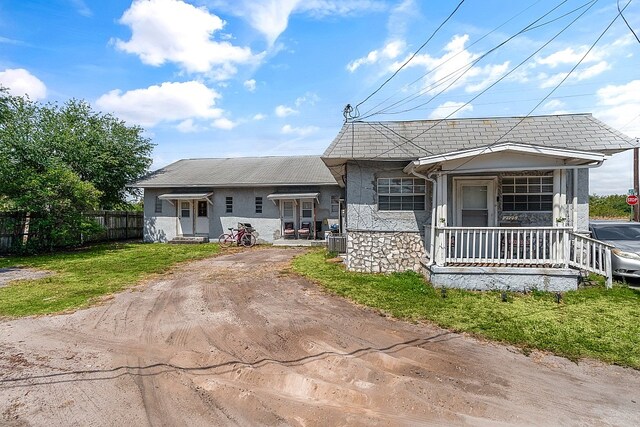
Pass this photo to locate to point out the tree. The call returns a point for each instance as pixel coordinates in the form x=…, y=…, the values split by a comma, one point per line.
x=56, y=162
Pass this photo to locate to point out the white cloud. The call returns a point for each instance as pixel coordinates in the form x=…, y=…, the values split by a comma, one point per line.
x=621, y=107
x=389, y=51
x=250, y=85
x=82, y=8
x=21, y=82
x=569, y=56
x=259, y=116
x=171, y=30
x=300, y=131
x=444, y=110
x=308, y=98
x=188, y=126
x=224, y=123
x=167, y=102
x=284, y=111
x=453, y=69
x=271, y=17
x=577, y=75
x=553, y=105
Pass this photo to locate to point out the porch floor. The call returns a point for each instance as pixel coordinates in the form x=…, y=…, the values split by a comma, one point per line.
x=299, y=242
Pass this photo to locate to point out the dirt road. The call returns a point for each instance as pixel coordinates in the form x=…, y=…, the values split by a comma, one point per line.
x=236, y=340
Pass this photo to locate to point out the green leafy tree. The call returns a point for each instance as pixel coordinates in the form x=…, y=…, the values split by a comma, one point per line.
x=57, y=162
x=611, y=206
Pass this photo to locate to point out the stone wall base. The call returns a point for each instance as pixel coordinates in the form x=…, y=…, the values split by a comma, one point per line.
x=503, y=278
x=384, y=252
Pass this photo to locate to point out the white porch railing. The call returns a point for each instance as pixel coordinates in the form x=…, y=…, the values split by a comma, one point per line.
x=520, y=246
x=591, y=255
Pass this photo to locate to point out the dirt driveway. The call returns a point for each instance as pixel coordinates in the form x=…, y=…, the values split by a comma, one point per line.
x=235, y=340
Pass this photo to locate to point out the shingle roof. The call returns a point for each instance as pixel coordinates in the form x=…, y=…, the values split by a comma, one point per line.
x=241, y=172
x=413, y=139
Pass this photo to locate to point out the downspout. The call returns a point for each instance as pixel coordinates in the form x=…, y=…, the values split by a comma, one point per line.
x=575, y=200
x=434, y=220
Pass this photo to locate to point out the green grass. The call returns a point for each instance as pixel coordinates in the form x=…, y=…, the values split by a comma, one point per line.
x=85, y=275
x=593, y=322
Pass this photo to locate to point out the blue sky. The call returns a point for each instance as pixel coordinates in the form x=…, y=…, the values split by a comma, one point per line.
x=210, y=78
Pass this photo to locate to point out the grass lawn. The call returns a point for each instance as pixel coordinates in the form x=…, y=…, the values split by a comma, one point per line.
x=594, y=322
x=85, y=275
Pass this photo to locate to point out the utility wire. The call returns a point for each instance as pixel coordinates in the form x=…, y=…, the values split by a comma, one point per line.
x=593, y=45
x=468, y=67
x=412, y=56
x=625, y=19
x=449, y=59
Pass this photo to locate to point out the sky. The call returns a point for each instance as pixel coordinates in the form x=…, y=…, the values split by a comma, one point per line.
x=212, y=78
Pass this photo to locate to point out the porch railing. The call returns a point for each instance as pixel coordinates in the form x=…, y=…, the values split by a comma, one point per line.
x=521, y=246
x=591, y=255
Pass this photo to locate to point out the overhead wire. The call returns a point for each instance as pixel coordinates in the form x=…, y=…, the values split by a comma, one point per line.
x=468, y=67
x=625, y=19
x=412, y=56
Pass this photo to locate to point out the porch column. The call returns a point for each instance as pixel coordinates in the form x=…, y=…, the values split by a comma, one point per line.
x=559, y=197
x=440, y=219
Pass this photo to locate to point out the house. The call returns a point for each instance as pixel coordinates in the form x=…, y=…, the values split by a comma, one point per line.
x=487, y=203
x=202, y=198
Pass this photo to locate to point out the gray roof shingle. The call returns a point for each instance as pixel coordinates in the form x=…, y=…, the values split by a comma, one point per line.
x=241, y=172
x=410, y=140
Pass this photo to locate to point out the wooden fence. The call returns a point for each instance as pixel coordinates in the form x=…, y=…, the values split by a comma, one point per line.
x=116, y=225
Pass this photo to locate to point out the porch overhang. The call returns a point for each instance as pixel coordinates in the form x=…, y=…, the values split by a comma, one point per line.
x=294, y=196
x=186, y=196
x=507, y=156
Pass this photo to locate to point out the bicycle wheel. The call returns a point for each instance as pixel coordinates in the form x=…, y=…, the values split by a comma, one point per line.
x=226, y=240
x=248, y=240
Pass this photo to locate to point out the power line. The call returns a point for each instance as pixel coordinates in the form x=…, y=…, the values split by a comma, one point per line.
x=449, y=59
x=469, y=66
x=625, y=20
x=437, y=122
x=413, y=55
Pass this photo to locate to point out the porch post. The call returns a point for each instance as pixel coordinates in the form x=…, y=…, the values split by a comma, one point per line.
x=441, y=213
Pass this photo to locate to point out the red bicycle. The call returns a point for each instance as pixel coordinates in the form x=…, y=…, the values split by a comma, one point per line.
x=243, y=235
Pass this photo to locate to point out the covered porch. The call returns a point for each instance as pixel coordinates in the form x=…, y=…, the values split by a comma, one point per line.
x=192, y=212
x=298, y=219
x=510, y=216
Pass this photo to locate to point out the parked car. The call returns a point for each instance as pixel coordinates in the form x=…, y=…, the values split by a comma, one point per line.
x=625, y=237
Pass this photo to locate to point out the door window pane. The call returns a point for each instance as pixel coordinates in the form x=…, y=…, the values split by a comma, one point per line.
x=287, y=209
x=185, y=209
x=202, y=208
x=474, y=197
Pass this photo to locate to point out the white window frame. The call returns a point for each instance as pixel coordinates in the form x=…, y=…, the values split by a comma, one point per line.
x=527, y=192
x=381, y=183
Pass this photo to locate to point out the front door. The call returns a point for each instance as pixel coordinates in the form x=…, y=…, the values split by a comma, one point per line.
x=185, y=218
x=288, y=214
x=202, y=217
x=475, y=203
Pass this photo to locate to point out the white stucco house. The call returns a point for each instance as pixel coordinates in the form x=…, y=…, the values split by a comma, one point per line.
x=201, y=198
x=484, y=203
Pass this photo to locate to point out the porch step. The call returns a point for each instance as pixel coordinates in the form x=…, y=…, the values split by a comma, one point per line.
x=188, y=240
x=299, y=242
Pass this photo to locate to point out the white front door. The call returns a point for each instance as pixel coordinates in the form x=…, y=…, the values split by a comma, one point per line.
x=185, y=217
x=202, y=217
x=306, y=213
x=288, y=214
x=475, y=202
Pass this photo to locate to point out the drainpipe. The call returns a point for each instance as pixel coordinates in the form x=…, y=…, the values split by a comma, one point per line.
x=432, y=242
x=575, y=200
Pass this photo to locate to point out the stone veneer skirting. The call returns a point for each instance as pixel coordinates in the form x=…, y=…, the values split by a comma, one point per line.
x=384, y=252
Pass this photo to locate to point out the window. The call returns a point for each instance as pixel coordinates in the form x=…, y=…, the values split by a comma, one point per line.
x=158, y=207
x=287, y=209
x=202, y=208
x=229, y=204
x=335, y=204
x=401, y=194
x=307, y=209
x=527, y=194
x=259, y=205
x=185, y=209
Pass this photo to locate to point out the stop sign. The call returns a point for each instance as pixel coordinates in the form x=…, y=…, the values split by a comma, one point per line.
x=632, y=200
